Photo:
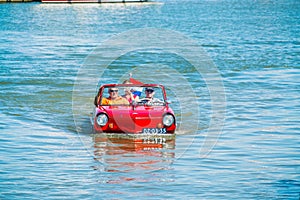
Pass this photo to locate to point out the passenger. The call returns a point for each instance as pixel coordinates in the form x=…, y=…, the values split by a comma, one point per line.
x=126, y=82
x=114, y=98
x=130, y=93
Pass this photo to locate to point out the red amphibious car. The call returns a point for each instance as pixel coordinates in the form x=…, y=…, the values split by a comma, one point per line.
x=145, y=109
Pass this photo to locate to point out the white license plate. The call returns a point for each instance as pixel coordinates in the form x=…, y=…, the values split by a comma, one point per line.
x=154, y=130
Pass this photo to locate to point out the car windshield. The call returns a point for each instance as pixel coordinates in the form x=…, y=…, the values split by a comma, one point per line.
x=127, y=95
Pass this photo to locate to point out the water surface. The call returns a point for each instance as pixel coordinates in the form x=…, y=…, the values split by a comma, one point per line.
x=255, y=46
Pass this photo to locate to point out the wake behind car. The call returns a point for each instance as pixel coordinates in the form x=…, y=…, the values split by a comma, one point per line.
x=133, y=108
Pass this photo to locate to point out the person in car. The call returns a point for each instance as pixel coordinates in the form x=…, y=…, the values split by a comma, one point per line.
x=130, y=93
x=114, y=98
x=150, y=99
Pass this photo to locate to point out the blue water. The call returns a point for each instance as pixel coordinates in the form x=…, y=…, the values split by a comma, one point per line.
x=47, y=150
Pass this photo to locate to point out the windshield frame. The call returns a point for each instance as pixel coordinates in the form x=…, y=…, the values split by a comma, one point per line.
x=160, y=93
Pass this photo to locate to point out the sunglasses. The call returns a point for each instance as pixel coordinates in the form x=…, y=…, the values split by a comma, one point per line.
x=150, y=91
x=113, y=90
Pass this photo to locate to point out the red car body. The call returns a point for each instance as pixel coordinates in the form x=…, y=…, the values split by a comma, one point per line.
x=137, y=117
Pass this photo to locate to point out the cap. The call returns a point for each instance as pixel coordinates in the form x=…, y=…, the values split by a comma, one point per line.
x=149, y=89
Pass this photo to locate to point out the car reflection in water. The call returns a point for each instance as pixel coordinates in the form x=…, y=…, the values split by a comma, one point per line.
x=133, y=154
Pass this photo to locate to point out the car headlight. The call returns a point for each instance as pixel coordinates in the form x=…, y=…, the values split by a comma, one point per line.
x=102, y=119
x=168, y=120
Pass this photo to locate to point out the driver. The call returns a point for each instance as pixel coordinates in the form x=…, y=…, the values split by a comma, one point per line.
x=150, y=99
x=114, y=98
